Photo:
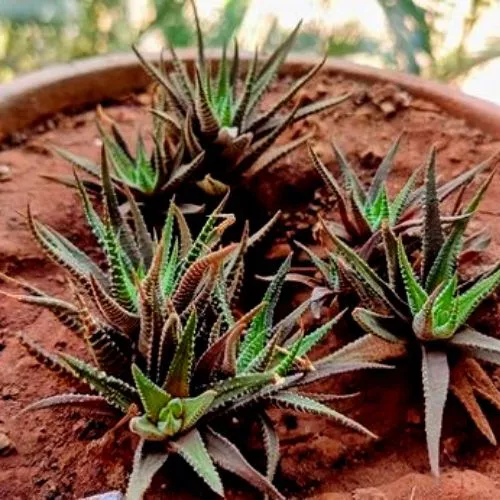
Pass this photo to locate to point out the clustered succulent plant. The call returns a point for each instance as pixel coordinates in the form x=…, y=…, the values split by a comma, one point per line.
x=361, y=211
x=170, y=348
x=426, y=312
x=173, y=348
x=208, y=129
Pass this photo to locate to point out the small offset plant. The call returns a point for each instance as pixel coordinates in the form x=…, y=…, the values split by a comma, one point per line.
x=170, y=349
x=146, y=174
x=208, y=130
x=427, y=312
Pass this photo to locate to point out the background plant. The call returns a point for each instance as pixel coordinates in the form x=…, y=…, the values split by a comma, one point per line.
x=413, y=36
x=207, y=132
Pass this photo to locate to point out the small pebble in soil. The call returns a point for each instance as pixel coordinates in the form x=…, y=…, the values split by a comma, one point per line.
x=413, y=417
x=9, y=393
x=5, y=173
x=109, y=495
x=7, y=447
x=53, y=493
x=59, y=278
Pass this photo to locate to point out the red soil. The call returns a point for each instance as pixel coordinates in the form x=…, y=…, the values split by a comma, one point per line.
x=58, y=454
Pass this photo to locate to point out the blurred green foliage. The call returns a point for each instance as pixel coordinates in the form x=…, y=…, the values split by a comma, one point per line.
x=37, y=32
x=34, y=33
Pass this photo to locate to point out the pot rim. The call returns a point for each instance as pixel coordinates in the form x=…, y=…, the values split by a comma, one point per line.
x=35, y=96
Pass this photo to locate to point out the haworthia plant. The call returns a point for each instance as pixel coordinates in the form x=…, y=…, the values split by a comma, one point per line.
x=362, y=213
x=208, y=128
x=169, y=348
x=219, y=111
x=429, y=309
x=361, y=210
x=148, y=173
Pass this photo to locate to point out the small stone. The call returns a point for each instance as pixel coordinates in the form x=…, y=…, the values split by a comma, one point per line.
x=388, y=108
x=413, y=417
x=451, y=447
x=143, y=99
x=369, y=494
x=59, y=278
x=9, y=393
x=110, y=495
x=7, y=447
x=5, y=173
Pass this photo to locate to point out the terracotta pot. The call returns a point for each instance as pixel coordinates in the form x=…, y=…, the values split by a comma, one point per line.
x=82, y=84
x=38, y=95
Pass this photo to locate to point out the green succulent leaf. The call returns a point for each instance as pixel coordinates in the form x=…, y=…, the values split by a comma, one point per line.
x=179, y=375
x=307, y=405
x=117, y=392
x=470, y=300
x=227, y=456
x=377, y=324
x=432, y=232
x=196, y=407
x=148, y=460
x=153, y=398
x=192, y=449
x=415, y=294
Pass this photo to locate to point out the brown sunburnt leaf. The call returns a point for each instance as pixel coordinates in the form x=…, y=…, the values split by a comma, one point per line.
x=67, y=314
x=369, y=348
x=271, y=445
x=194, y=273
x=482, y=382
x=383, y=171
x=261, y=146
x=333, y=186
x=113, y=312
x=224, y=345
x=461, y=386
x=280, y=103
x=204, y=114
